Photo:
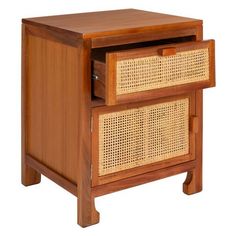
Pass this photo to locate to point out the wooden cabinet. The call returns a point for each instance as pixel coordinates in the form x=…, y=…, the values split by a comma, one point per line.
x=111, y=100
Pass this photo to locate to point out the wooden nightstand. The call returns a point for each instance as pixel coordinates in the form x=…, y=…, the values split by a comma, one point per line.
x=111, y=100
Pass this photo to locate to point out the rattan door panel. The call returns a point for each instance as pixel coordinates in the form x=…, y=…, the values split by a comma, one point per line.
x=146, y=73
x=131, y=139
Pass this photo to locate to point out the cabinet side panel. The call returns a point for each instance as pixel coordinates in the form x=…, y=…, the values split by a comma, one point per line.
x=52, y=105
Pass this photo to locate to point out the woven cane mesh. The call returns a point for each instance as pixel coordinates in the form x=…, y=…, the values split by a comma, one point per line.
x=144, y=135
x=152, y=72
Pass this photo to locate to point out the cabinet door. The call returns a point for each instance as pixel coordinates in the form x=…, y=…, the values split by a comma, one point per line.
x=135, y=138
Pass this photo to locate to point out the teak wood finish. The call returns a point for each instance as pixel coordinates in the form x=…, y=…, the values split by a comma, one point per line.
x=59, y=111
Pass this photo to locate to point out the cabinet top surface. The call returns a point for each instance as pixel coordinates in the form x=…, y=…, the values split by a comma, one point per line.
x=100, y=24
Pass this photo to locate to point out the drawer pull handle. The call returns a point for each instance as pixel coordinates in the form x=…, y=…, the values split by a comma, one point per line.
x=166, y=51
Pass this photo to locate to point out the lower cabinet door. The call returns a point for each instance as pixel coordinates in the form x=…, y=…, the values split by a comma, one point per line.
x=136, y=138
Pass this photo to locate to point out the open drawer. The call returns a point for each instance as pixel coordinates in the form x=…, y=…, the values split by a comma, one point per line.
x=135, y=138
x=152, y=72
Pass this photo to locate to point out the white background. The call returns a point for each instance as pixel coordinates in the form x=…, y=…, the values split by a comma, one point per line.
x=157, y=208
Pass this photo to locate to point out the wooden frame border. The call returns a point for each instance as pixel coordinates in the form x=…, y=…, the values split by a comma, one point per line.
x=87, y=213
x=152, y=51
x=110, y=79
x=193, y=182
x=142, y=179
x=113, y=40
x=98, y=180
x=29, y=176
x=52, y=175
x=111, y=58
x=68, y=38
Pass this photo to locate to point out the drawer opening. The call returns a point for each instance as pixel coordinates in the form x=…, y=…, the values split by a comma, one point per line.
x=99, y=59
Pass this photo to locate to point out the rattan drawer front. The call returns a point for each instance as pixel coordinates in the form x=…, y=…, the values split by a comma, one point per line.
x=144, y=73
x=152, y=72
x=143, y=135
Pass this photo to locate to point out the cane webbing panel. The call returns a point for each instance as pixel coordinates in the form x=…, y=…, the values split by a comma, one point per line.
x=143, y=135
x=152, y=72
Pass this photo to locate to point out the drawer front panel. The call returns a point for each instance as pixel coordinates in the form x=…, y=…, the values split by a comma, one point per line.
x=134, y=137
x=153, y=72
x=146, y=73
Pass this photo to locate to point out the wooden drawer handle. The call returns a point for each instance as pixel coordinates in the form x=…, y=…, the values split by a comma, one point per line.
x=166, y=51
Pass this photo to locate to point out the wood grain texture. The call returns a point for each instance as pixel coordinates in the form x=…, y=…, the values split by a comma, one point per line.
x=100, y=53
x=97, y=102
x=52, y=105
x=199, y=32
x=29, y=175
x=169, y=51
x=193, y=182
x=142, y=179
x=87, y=214
x=194, y=124
x=153, y=51
x=117, y=22
x=68, y=38
x=110, y=84
x=212, y=61
x=162, y=92
x=51, y=174
x=140, y=170
x=152, y=35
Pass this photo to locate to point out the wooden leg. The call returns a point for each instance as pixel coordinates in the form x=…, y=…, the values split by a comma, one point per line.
x=193, y=182
x=29, y=176
x=87, y=213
